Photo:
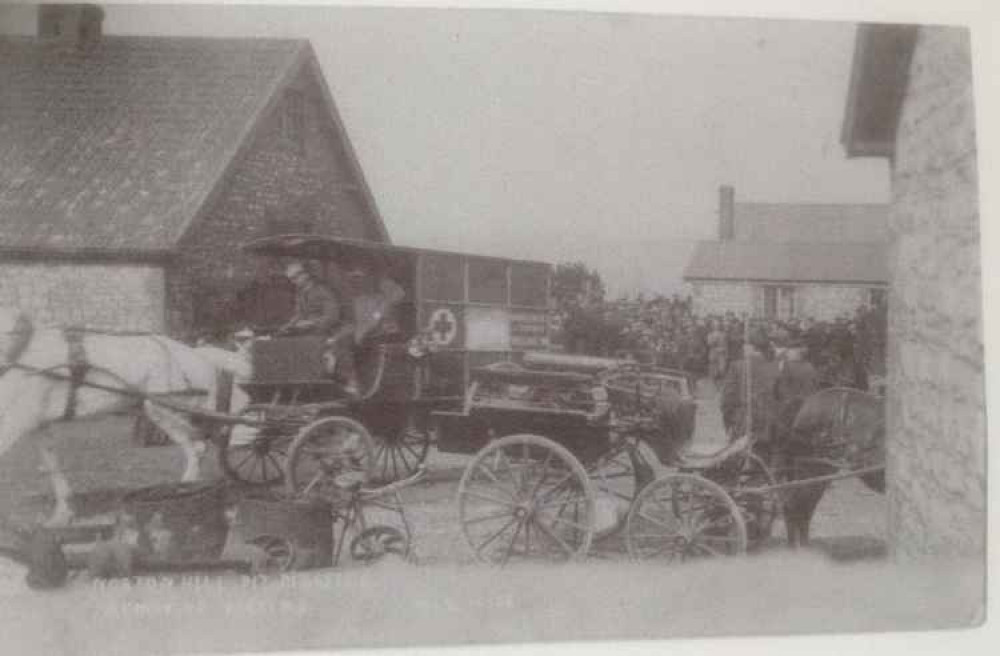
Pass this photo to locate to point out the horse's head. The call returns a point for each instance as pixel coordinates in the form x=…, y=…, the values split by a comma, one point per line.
x=842, y=423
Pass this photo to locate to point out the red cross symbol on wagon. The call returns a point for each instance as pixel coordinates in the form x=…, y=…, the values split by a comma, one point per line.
x=442, y=327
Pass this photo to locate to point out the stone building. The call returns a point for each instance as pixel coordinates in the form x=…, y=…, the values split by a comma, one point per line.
x=911, y=100
x=133, y=167
x=784, y=260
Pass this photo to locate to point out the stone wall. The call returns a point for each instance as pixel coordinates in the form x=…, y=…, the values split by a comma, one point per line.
x=936, y=423
x=294, y=177
x=721, y=297
x=820, y=302
x=828, y=302
x=117, y=296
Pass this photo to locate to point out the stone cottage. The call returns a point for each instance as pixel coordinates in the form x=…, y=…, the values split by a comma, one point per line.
x=133, y=167
x=784, y=260
x=911, y=100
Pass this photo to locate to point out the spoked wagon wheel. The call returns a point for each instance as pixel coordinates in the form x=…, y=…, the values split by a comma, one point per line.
x=617, y=477
x=401, y=442
x=684, y=516
x=377, y=542
x=255, y=455
x=739, y=476
x=525, y=496
x=276, y=555
x=329, y=457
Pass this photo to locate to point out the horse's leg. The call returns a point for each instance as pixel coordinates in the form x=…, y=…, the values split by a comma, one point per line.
x=182, y=432
x=799, y=508
x=23, y=412
x=813, y=495
x=62, y=514
x=793, y=518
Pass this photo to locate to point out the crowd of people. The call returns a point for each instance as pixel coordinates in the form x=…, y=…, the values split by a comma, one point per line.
x=666, y=331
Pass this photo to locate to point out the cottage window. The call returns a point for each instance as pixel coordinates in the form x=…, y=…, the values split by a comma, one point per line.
x=774, y=302
x=770, y=302
x=786, y=302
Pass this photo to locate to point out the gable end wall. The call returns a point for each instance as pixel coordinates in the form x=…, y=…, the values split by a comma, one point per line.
x=276, y=187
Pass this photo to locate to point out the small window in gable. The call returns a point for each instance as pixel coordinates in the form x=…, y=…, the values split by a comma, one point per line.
x=293, y=119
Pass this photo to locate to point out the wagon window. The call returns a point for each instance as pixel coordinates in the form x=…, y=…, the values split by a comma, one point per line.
x=442, y=277
x=487, y=281
x=529, y=284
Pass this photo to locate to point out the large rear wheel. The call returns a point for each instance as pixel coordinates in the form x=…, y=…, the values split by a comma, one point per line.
x=682, y=517
x=524, y=497
x=744, y=477
x=401, y=440
x=328, y=458
x=256, y=455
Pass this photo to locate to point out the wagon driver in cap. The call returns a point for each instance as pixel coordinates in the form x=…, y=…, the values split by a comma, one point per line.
x=317, y=312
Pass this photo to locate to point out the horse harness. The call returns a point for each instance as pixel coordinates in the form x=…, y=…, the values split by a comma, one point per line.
x=77, y=364
x=76, y=361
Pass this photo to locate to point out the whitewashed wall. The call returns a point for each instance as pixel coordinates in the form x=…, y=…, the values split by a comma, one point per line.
x=937, y=422
x=820, y=302
x=107, y=296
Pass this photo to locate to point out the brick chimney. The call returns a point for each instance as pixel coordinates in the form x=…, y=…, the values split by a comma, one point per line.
x=727, y=220
x=77, y=25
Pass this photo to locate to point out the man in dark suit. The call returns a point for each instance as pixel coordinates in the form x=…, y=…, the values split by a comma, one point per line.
x=317, y=310
x=733, y=400
x=797, y=380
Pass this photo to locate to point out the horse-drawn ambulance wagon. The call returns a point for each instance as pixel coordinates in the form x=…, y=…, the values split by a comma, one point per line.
x=458, y=312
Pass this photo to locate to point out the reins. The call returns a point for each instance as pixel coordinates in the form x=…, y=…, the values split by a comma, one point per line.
x=78, y=366
x=125, y=390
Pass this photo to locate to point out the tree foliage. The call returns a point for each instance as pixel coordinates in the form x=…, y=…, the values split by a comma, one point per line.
x=574, y=284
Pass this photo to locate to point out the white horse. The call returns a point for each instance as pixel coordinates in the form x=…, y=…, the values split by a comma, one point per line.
x=238, y=363
x=113, y=373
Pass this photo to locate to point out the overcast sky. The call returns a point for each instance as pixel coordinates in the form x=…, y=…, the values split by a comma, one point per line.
x=558, y=135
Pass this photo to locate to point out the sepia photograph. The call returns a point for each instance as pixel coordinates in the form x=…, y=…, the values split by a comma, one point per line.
x=361, y=326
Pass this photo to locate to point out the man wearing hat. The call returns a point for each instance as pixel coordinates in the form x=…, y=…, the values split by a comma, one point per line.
x=762, y=377
x=317, y=310
x=797, y=379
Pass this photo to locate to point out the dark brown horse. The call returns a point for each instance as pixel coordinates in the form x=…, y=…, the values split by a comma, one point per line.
x=834, y=430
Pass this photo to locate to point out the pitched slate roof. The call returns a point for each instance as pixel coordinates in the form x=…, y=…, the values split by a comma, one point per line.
x=811, y=222
x=115, y=148
x=857, y=263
